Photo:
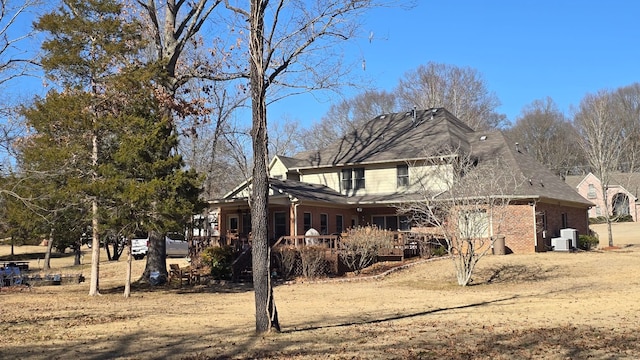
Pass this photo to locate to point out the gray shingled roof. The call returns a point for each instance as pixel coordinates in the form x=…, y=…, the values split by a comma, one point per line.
x=537, y=181
x=630, y=181
x=389, y=137
x=306, y=191
x=404, y=136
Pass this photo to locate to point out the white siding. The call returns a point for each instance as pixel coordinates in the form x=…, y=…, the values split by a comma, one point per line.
x=383, y=178
x=278, y=170
x=330, y=178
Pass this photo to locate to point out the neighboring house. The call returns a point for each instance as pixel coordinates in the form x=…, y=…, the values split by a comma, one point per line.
x=622, y=193
x=360, y=178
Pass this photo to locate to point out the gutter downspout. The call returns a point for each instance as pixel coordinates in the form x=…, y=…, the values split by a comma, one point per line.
x=535, y=228
x=295, y=203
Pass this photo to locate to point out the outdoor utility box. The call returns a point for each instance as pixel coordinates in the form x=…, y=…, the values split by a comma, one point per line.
x=499, y=247
x=571, y=234
x=561, y=244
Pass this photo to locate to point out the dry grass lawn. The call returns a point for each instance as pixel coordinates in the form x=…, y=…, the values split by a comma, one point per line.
x=540, y=306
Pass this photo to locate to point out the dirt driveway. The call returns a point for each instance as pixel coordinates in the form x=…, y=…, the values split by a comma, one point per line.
x=541, y=306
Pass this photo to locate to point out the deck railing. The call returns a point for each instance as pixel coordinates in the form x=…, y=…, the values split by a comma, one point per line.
x=331, y=242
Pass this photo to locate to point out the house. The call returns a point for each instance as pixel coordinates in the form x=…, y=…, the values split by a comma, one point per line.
x=622, y=193
x=360, y=179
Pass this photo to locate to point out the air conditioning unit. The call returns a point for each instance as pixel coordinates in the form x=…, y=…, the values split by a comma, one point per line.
x=561, y=244
x=571, y=234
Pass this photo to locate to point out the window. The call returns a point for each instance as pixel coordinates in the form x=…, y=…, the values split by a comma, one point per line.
x=392, y=222
x=403, y=175
x=598, y=211
x=473, y=224
x=405, y=223
x=358, y=181
x=543, y=216
x=591, y=194
x=352, y=179
x=346, y=179
x=339, y=226
x=233, y=223
x=324, y=224
x=246, y=223
x=565, y=221
x=307, y=221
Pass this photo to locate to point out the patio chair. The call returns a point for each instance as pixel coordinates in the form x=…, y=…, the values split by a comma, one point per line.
x=176, y=272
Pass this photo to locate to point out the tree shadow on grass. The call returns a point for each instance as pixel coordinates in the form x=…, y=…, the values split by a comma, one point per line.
x=402, y=316
x=515, y=273
x=35, y=256
x=175, y=288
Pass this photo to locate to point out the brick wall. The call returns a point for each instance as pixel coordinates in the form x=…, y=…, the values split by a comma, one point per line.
x=576, y=218
x=515, y=222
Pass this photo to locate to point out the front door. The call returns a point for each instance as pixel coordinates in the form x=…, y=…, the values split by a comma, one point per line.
x=233, y=224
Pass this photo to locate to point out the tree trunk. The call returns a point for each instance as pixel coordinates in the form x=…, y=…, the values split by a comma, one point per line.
x=117, y=249
x=605, y=198
x=94, y=288
x=266, y=313
x=127, y=283
x=77, y=250
x=106, y=249
x=47, y=254
x=156, y=259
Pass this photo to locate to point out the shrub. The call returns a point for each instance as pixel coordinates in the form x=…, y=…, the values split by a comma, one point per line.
x=623, y=218
x=587, y=242
x=288, y=261
x=615, y=219
x=439, y=251
x=313, y=261
x=359, y=248
x=597, y=220
x=219, y=259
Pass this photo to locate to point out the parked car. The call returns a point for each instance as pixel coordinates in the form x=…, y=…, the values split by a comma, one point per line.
x=140, y=246
x=176, y=245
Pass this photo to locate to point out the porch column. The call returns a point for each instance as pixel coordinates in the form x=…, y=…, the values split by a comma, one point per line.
x=293, y=218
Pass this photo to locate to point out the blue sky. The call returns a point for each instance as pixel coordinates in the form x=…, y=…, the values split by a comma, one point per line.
x=524, y=49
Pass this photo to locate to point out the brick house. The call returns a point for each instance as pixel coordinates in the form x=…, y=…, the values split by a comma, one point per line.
x=360, y=179
x=622, y=193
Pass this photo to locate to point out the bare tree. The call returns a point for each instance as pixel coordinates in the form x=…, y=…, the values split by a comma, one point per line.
x=292, y=49
x=603, y=140
x=172, y=27
x=285, y=137
x=545, y=133
x=204, y=142
x=461, y=90
x=16, y=62
x=465, y=209
x=342, y=118
x=627, y=108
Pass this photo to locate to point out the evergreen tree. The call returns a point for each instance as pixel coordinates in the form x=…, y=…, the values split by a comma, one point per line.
x=102, y=135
